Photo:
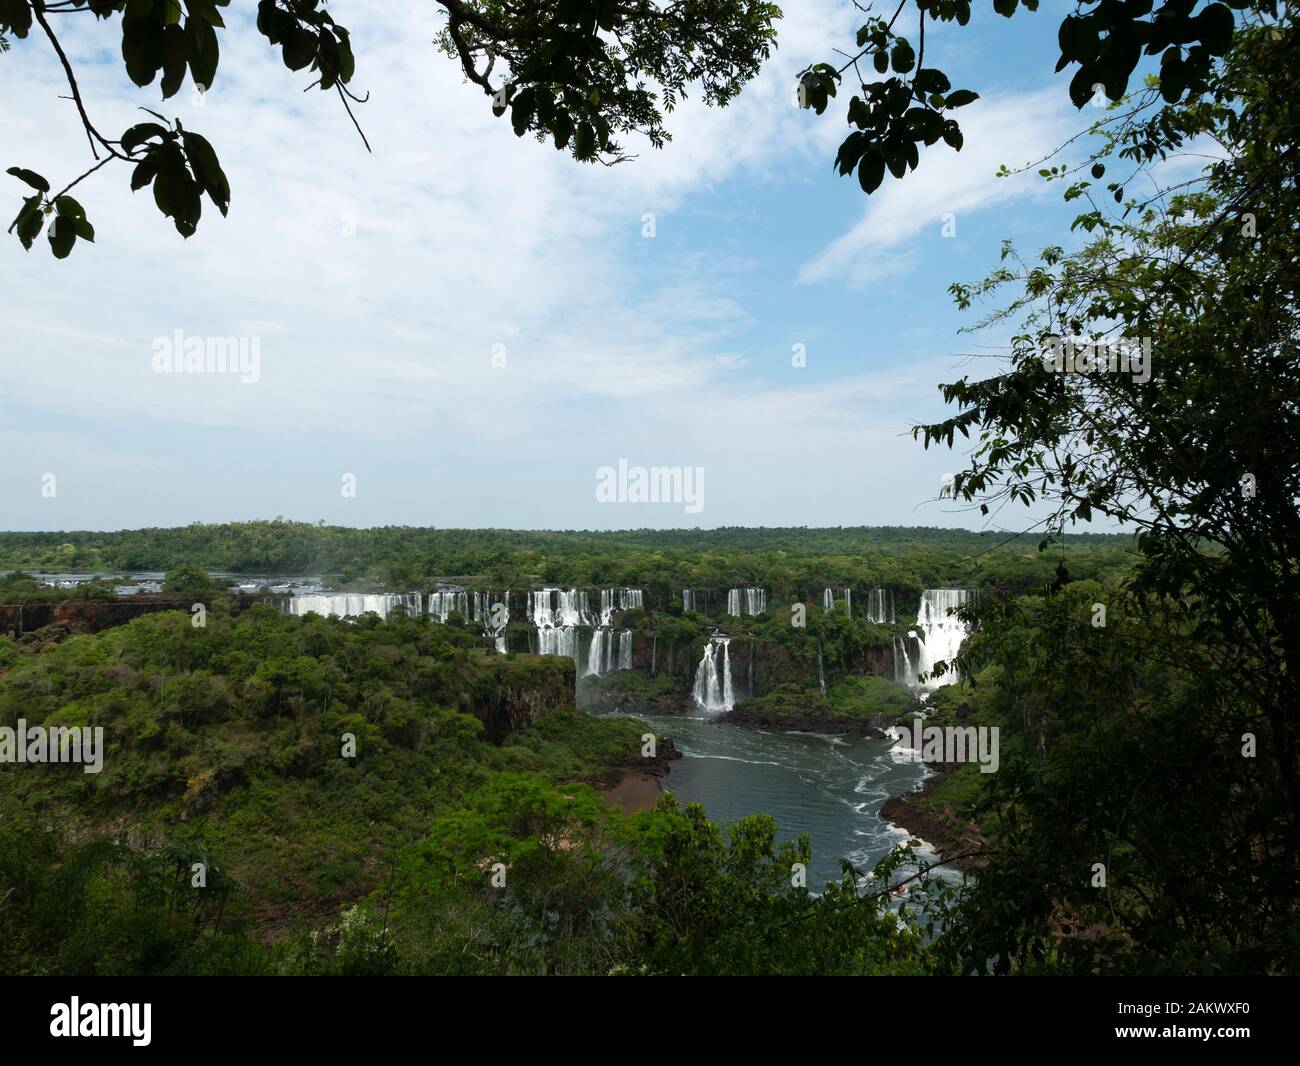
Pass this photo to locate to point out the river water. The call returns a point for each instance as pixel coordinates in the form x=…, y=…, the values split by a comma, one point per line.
x=829, y=787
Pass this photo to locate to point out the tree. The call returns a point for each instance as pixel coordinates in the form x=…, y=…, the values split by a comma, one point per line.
x=910, y=104
x=579, y=73
x=1153, y=378
x=191, y=582
x=575, y=71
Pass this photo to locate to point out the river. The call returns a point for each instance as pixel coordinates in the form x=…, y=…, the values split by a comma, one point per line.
x=830, y=787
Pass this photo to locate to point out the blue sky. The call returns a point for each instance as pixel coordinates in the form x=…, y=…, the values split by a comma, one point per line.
x=379, y=286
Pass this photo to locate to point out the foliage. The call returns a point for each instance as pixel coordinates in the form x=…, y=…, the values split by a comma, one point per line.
x=909, y=104
x=581, y=72
x=576, y=71
x=1149, y=765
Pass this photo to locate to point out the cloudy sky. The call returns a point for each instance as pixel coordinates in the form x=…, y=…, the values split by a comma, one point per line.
x=380, y=286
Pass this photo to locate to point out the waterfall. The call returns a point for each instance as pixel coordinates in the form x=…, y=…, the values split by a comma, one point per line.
x=351, y=604
x=492, y=611
x=712, y=691
x=558, y=640
x=605, y=654
x=832, y=598
x=612, y=600
x=688, y=600
x=939, y=639
x=746, y=601
x=557, y=613
x=821, y=673
x=654, y=651
x=904, y=673
x=880, y=607
x=552, y=607
x=598, y=655
x=446, y=601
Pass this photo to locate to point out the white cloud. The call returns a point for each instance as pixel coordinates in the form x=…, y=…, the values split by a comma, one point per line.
x=376, y=348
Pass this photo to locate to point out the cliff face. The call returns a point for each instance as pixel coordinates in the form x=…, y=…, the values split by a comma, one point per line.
x=87, y=615
x=758, y=666
x=518, y=689
x=90, y=616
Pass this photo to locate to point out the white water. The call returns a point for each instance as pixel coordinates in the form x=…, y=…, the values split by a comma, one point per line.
x=612, y=600
x=609, y=651
x=602, y=644
x=938, y=637
x=880, y=606
x=560, y=615
x=688, y=599
x=492, y=611
x=557, y=613
x=842, y=598
x=352, y=604
x=713, y=692
x=445, y=601
x=559, y=607
x=746, y=601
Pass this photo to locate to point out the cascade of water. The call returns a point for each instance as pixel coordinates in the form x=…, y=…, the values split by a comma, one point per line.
x=746, y=601
x=832, y=598
x=904, y=673
x=939, y=638
x=557, y=613
x=880, y=606
x=712, y=691
x=558, y=640
x=351, y=604
x=448, y=600
x=688, y=599
x=598, y=654
x=608, y=651
x=612, y=600
x=492, y=612
x=821, y=673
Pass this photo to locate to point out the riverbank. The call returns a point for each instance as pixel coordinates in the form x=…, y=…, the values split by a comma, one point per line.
x=633, y=791
x=930, y=813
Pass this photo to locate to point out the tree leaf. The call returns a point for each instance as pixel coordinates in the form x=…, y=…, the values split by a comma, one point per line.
x=871, y=171
x=62, y=237
x=30, y=177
